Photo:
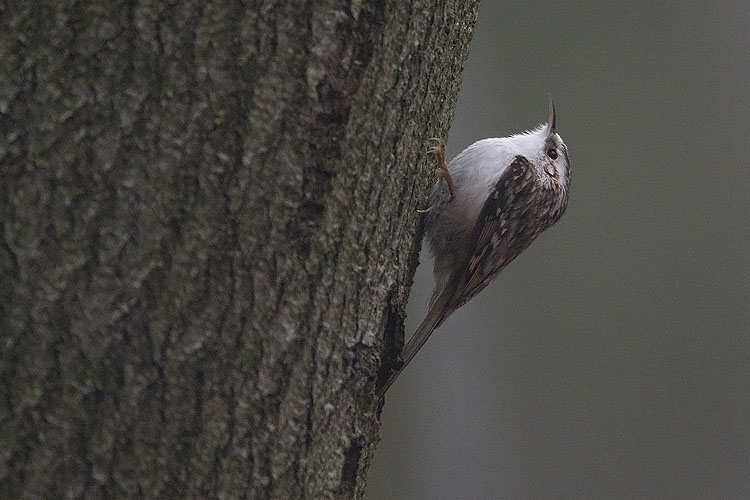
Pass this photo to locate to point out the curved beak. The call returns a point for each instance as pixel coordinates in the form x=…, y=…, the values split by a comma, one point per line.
x=551, y=118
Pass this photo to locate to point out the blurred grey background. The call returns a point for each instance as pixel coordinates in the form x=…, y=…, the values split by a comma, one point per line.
x=612, y=358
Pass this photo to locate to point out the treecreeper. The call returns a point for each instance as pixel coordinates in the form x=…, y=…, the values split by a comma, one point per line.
x=502, y=193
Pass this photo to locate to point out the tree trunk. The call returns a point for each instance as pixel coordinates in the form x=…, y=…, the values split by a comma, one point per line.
x=207, y=237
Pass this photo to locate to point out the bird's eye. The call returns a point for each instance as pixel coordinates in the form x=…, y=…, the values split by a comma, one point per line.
x=552, y=153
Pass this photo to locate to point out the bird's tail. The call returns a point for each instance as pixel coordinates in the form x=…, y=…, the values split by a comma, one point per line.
x=439, y=311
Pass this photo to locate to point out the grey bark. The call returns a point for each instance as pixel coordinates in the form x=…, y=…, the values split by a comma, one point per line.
x=207, y=236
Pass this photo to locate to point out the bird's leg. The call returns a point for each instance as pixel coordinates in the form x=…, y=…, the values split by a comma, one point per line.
x=443, y=174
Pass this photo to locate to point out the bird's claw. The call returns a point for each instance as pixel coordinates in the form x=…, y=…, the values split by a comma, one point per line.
x=443, y=174
x=437, y=148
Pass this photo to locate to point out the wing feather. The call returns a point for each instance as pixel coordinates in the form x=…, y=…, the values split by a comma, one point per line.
x=499, y=234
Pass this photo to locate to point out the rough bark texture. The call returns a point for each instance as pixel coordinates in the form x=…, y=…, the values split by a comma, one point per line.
x=207, y=235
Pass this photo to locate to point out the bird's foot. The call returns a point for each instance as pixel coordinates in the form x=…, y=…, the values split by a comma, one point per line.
x=443, y=174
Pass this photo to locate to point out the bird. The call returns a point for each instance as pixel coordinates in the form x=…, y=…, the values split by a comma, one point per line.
x=503, y=192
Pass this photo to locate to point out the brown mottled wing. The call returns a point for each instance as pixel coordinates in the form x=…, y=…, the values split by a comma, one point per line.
x=504, y=229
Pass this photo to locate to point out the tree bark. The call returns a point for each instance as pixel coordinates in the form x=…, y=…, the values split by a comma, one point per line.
x=208, y=234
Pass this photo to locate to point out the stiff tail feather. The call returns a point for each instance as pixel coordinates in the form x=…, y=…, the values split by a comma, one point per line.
x=439, y=312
